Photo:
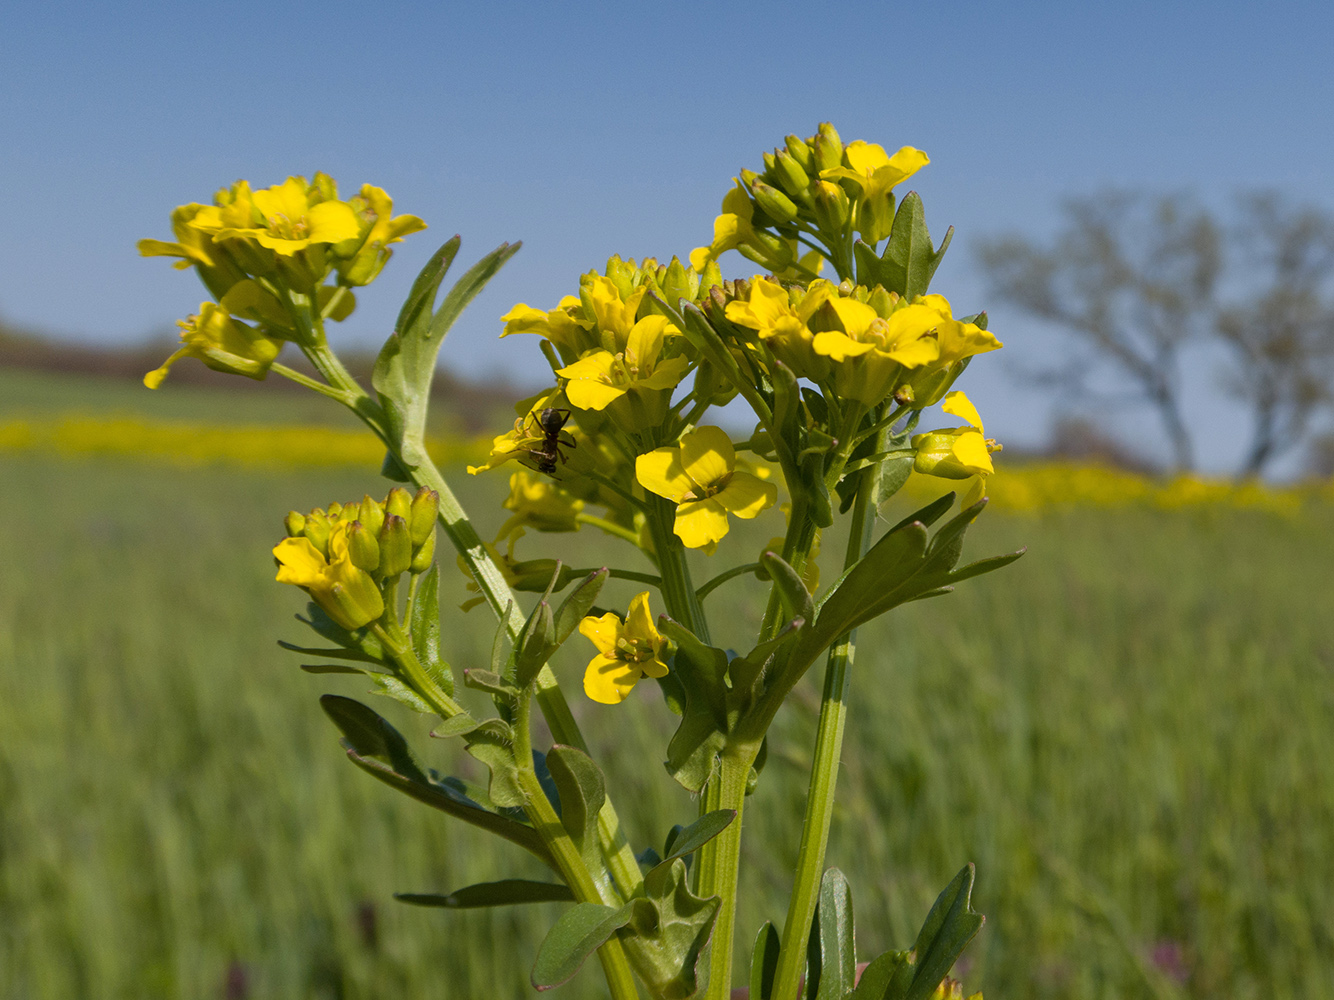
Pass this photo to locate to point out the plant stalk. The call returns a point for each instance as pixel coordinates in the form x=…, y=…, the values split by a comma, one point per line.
x=718, y=862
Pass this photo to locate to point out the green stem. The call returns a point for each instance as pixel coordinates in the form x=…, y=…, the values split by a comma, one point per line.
x=615, y=965
x=718, y=862
x=708, y=588
x=824, y=773
x=677, y=591
x=610, y=527
x=413, y=672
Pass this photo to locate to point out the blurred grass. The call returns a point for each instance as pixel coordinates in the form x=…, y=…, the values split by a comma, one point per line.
x=1130, y=732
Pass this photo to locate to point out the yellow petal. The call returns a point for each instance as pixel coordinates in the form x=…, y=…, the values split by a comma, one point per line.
x=745, y=495
x=639, y=620
x=839, y=346
x=645, y=341
x=300, y=563
x=976, y=490
x=287, y=200
x=586, y=394
x=970, y=448
x=959, y=405
x=854, y=316
x=332, y=222
x=707, y=455
x=700, y=523
x=602, y=631
x=609, y=680
x=666, y=376
x=661, y=472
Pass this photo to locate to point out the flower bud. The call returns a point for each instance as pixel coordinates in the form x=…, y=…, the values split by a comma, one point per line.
x=828, y=148
x=317, y=530
x=398, y=503
x=775, y=204
x=362, y=547
x=789, y=176
x=395, y=545
x=622, y=275
x=767, y=250
x=678, y=283
x=371, y=514
x=421, y=560
x=295, y=524
x=801, y=153
x=425, y=507
x=832, y=207
x=953, y=454
x=334, y=510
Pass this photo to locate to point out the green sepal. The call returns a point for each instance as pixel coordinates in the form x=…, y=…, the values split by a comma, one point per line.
x=424, y=627
x=832, y=952
x=764, y=962
x=581, y=791
x=406, y=364
x=506, y=892
x=379, y=749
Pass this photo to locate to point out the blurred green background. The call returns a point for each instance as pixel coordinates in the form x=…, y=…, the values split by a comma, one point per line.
x=1131, y=732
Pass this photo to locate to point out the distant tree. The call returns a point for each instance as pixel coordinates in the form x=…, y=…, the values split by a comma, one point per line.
x=1132, y=279
x=1281, y=336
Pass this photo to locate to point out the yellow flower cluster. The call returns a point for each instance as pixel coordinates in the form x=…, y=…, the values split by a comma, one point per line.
x=265, y=256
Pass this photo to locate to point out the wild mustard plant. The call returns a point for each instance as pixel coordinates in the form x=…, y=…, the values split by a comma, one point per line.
x=836, y=373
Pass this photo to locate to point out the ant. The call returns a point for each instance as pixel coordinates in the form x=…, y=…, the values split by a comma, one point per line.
x=551, y=421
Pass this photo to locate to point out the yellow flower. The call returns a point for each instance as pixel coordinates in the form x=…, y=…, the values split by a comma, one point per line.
x=730, y=229
x=783, y=323
x=285, y=218
x=379, y=228
x=538, y=503
x=875, y=173
x=627, y=651
x=701, y=477
x=347, y=594
x=193, y=244
x=526, y=433
x=637, y=378
x=871, y=352
x=958, y=340
x=223, y=344
x=569, y=332
x=960, y=452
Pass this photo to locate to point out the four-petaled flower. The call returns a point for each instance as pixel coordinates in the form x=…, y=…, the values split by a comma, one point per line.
x=627, y=651
x=876, y=173
x=959, y=452
x=700, y=476
x=347, y=594
x=285, y=218
x=638, y=371
x=783, y=324
x=223, y=344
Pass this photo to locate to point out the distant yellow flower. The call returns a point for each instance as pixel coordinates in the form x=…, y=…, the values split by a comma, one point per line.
x=347, y=594
x=285, y=218
x=783, y=325
x=875, y=173
x=958, y=453
x=627, y=651
x=223, y=344
x=701, y=477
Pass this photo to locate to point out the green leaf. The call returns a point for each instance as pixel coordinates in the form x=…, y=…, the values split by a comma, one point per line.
x=687, y=840
x=950, y=925
x=380, y=750
x=424, y=626
x=700, y=736
x=929, y=514
x=745, y=670
x=764, y=962
x=885, y=977
x=491, y=683
x=332, y=668
x=391, y=687
x=535, y=644
x=581, y=792
x=506, y=892
x=459, y=725
x=670, y=930
x=492, y=743
x=405, y=367
x=580, y=931
x=577, y=604
x=333, y=654
x=792, y=592
x=838, y=949
x=360, y=640
x=888, y=563
x=909, y=261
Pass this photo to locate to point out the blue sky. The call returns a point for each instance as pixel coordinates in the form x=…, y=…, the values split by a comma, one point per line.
x=598, y=128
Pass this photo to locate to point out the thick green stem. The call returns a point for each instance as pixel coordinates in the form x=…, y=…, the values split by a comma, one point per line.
x=824, y=773
x=677, y=590
x=615, y=965
x=718, y=862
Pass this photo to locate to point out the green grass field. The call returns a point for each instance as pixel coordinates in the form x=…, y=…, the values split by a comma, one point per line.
x=1131, y=731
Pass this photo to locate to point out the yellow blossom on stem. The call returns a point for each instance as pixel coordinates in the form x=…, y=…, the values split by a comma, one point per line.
x=285, y=218
x=783, y=324
x=627, y=651
x=734, y=230
x=223, y=344
x=524, y=435
x=875, y=173
x=379, y=228
x=959, y=452
x=539, y=503
x=700, y=476
x=869, y=352
x=569, y=332
x=347, y=594
x=637, y=381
